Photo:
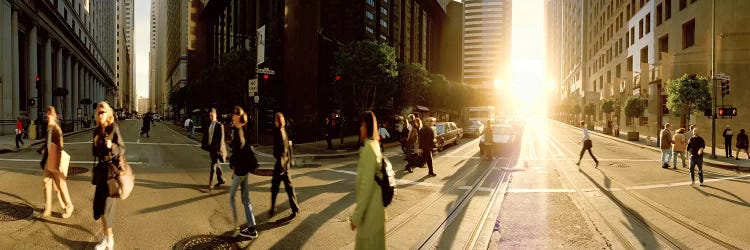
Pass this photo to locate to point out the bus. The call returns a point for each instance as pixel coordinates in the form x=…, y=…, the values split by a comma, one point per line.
x=479, y=113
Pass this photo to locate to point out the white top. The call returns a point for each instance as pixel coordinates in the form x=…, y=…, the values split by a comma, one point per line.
x=383, y=133
x=187, y=122
x=585, y=134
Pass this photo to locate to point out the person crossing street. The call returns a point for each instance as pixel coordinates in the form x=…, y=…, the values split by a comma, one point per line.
x=213, y=142
x=695, y=146
x=666, y=146
x=586, y=145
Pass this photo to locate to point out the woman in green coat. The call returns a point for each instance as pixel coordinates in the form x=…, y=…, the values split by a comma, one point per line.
x=369, y=215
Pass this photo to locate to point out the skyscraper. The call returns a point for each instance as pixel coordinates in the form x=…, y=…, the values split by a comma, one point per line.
x=487, y=31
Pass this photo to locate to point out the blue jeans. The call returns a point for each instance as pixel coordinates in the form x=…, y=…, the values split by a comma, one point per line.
x=682, y=156
x=666, y=155
x=696, y=161
x=245, y=194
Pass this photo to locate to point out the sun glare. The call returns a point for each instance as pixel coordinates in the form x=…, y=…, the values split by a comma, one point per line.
x=527, y=91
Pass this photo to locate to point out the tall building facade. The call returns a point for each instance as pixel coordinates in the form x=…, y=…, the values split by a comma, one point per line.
x=125, y=58
x=487, y=40
x=49, y=44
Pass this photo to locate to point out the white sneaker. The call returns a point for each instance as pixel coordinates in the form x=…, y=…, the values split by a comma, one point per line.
x=102, y=245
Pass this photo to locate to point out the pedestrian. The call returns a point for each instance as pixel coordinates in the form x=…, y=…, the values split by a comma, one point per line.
x=742, y=144
x=147, y=121
x=587, y=145
x=727, y=141
x=242, y=162
x=679, y=147
x=282, y=153
x=695, y=147
x=53, y=174
x=427, y=143
x=189, y=127
x=26, y=124
x=414, y=158
x=413, y=126
x=369, y=214
x=329, y=128
x=489, y=139
x=384, y=135
x=19, y=131
x=108, y=148
x=689, y=132
x=666, y=145
x=213, y=142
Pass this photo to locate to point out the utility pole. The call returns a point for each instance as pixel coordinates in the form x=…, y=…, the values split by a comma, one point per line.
x=713, y=81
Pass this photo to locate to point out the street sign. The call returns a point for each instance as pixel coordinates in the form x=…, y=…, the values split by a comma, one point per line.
x=256, y=99
x=260, y=44
x=266, y=71
x=722, y=76
x=252, y=86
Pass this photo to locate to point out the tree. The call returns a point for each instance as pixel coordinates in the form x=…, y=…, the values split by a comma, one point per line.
x=414, y=84
x=633, y=108
x=589, y=109
x=367, y=71
x=576, y=110
x=607, y=107
x=688, y=94
x=439, y=89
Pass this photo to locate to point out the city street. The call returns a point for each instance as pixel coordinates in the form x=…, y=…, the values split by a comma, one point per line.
x=538, y=198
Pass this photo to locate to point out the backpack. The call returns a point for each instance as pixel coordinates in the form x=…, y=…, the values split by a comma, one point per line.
x=386, y=180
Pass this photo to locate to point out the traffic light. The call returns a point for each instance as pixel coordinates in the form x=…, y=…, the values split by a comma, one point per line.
x=721, y=112
x=726, y=112
x=338, y=78
x=725, y=87
x=38, y=83
x=664, y=109
x=265, y=76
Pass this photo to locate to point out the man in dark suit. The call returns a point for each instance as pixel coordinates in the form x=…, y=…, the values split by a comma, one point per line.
x=427, y=143
x=213, y=142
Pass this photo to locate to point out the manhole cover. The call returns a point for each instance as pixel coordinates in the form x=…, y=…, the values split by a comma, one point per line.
x=205, y=242
x=263, y=172
x=14, y=211
x=618, y=165
x=77, y=171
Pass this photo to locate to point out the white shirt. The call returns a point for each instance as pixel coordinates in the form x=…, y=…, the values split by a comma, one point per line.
x=383, y=133
x=187, y=122
x=211, y=132
x=585, y=134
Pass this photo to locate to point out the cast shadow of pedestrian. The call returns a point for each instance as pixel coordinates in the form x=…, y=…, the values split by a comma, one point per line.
x=168, y=185
x=178, y=203
x=739, y=201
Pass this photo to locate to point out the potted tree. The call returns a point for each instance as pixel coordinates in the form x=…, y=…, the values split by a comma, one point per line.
x=607, y=107
x=576, y=111
x=633, y=109
x=588, y=111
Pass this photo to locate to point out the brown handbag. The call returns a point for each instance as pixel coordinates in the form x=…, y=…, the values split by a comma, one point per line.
x=121, y=180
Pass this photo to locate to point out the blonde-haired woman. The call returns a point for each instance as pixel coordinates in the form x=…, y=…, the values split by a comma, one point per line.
x=52, y=154
x=108, y=148
x=369, y=215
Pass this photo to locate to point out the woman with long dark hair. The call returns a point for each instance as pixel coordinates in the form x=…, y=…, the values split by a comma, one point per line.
x=369, y=215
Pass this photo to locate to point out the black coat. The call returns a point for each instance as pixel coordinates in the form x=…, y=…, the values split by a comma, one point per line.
x=105, y=157
x=216, y=147
x=427, y=138
x=243, y=158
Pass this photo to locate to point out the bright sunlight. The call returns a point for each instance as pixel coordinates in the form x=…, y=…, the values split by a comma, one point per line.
x=527, y=88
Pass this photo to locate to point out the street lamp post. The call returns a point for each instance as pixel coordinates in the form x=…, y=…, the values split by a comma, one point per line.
x=713, y=81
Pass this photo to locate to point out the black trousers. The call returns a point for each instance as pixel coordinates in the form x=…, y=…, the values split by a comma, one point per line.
x=329, y=137
x=728, y=146
x=278, y=177
x=215, y=168
x=586, y=146
x=19, y=139
x=427, y=154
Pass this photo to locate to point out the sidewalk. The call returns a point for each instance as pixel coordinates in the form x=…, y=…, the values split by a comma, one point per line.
x=316, y=150
x=645, y=143
x=8, y=142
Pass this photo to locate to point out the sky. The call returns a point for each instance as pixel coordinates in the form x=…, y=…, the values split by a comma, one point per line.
x=141, y=45
x=527, y=82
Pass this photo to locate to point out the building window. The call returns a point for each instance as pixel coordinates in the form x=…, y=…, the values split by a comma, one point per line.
x=640, y=29
x=383, y=10
x=688, y=34
x=632, y=35
x=659, y=9
x=630, y=63
x=371, y=2
x=370, y=15
x=667, y=9
x=644, y=55
x=617, y=70
x=683, y=4
x=627, y=35
x=384, y=23
x=648, y=23
x=663, y=45
x=383, y=37
x=369, y=30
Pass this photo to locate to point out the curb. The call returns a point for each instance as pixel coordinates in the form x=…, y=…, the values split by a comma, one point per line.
x=31, y=146
x=706, y=161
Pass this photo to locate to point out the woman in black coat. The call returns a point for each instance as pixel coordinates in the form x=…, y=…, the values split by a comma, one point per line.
x=742, y=144
x=108, y=148
x=242, y=162
x=282, y=153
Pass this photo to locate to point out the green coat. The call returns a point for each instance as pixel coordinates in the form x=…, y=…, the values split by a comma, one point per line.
x=369, y=215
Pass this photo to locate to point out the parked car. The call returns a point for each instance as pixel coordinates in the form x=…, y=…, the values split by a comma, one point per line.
x=505, y=138
x=447, y=133
x=156, y=117
x=474, y=128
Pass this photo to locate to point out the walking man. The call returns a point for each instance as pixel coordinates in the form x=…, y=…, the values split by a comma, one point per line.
x=728, y=141
x=189, y=126
x=282, y=152
x=695, y=147
x=586, y=145
x=19, y=131
x=666, y=145
x=147, y=121
x=213, y=142
x=427, y=143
